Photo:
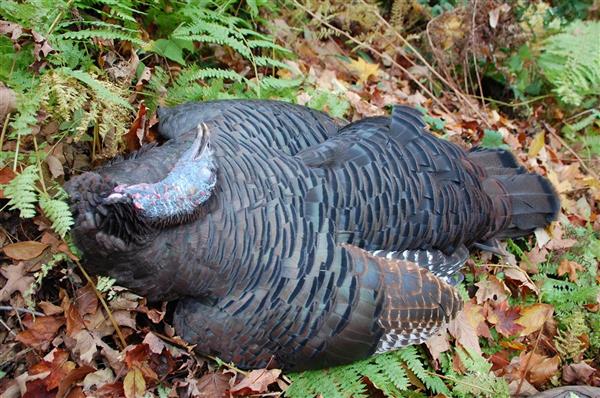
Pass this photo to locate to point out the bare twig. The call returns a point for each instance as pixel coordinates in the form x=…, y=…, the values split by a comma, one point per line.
x=7, y=327
x=18, y=309
x=527, y=362
x=581, y=161
x=104, y=304
x=450, y=85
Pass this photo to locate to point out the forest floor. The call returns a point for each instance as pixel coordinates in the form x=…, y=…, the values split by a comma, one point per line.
x=533, y=315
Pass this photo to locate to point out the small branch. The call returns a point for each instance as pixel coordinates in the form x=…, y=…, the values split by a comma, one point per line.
x=7, y=327
x=581, y=162
x=374, y=51
x=22, y=310
x=104, y=304
x=527, y=363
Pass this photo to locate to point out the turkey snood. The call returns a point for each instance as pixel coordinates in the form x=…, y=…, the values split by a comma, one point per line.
x=178, y=197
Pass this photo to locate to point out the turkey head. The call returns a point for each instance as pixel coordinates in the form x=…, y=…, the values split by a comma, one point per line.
x=117, y=217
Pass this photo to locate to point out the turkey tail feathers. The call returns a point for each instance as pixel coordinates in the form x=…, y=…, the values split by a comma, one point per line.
x=534, y=203
x=522, y=201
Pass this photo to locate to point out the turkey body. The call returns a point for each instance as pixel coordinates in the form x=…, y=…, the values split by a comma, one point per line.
x=320, y=244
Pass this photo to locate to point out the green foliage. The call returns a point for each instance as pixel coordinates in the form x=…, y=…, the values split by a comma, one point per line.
x=22, y=192
x=570, y=297
x=40, y=275
x=57, y=211
x=493, y=139
x=387, y=372
x=478, y=379
x=331, y=103
x=570, y=60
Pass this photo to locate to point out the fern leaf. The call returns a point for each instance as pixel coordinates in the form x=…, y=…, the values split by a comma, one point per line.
x=22, y=192
x=413, y=360
x=571, y=62
x=58, y=213
x=99, y=87
x=117, y=34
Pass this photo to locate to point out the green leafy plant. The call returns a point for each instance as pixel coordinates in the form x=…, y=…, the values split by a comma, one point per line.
x=386, y=372
x=570, y=60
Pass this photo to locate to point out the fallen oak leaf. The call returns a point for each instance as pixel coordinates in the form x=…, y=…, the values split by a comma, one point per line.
x=26, y=250
x=17, y=280
x=256, y=382
x=569, y=267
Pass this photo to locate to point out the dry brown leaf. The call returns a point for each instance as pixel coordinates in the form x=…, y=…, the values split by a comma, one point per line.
x=49, y=308
x=68, y=382
x=256, y=382
x=41, y=330
x=533, y=317
x=26, y=250
x=541, y=369
x=468, y=325
x=578, y=373
x=213, y=385
x=98, y=378
x=58, y=364
x=55, y=166
x=517, y=274
x=17, y=280
x=492, y=289
x=134, y=384
x=6, y=176
x=569, y=267
x=155, y=344
x=438, y=344
x=503, y=318
x=8, y=102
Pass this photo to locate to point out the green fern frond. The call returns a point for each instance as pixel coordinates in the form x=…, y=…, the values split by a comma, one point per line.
x=102, y=89
x=29, y=106
x=22, y=192
x=58, y=213
x=102, y=34
x=571, y=62
x=414, y=362
x=386, y=372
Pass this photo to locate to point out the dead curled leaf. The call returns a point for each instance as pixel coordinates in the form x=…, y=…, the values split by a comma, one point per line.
x=256, y=382
x=17, y=280
x=569, y=267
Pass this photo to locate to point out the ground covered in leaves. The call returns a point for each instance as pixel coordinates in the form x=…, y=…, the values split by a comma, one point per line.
x=81, y=82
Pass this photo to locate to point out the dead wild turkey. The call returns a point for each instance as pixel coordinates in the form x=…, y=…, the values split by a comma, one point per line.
x=291, y=241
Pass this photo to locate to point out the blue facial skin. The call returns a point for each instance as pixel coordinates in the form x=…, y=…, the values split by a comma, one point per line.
x=179, y=195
